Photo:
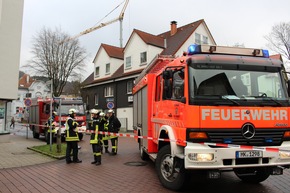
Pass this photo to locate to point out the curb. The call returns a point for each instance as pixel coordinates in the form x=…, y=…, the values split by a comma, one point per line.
x=47, y=154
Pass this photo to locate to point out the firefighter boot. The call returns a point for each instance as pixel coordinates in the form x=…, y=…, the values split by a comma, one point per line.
x=94, y=162
x=106, y=150
x=98, y=161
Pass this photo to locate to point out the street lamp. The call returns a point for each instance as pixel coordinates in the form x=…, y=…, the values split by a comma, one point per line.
x=50, y=126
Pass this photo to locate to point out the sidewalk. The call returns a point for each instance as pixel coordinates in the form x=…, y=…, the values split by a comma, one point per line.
x=16, y=154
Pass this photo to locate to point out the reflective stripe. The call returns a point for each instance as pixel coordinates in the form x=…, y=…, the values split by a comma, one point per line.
x=98, y=154
x=95, y=140
x=107, y=137
x=69, y=138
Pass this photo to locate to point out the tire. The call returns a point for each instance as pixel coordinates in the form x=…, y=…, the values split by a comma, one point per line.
x=35, y=135
x=253, y=175
x=144, y=156
x=81, y=135
x=171, y=172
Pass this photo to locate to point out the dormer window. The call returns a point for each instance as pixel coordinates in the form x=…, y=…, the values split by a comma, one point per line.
x=128, y=62
x=143, y=58
x=197, y=38
x=204, y=40
x=97, y=72
x=108, y=68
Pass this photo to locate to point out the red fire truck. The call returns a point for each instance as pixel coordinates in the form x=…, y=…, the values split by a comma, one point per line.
x=39, y=113
x=214, y=109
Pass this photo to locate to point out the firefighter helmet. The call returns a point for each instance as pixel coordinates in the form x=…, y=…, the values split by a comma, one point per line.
x=94, y=111
x=111, y=111
x=54, y=113
x=72, y=111
x=102, y=114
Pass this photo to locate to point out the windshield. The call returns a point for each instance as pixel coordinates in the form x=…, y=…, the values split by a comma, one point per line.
x=66, y=107
x=233, y=84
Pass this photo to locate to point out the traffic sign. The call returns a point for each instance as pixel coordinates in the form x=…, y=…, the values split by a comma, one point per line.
x=27, y=102
x=110, y=105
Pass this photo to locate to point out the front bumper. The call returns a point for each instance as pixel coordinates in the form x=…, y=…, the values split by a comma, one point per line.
x=223, y=158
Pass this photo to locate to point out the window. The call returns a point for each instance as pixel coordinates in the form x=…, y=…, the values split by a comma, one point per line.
x=129, y=87
x=108, y=68
x=87, y=99
x=108, y=91
x=204, y=40
x=96, y=99
x=158, y=88
x=143, y=57
x=97, y=72
x=128, y=62
x=197, y=38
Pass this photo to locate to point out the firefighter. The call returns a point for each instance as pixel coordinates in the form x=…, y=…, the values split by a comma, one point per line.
x=96, y=138
x=50, y=123
x=104, y=127
x=72, y=138
x=113, y=126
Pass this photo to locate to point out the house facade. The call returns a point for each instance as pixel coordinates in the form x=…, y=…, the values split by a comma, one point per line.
x=11, y=14
x=110, y=86
x=27, y=88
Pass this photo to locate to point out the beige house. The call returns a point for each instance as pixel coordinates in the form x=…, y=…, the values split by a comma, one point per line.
x=11, y=13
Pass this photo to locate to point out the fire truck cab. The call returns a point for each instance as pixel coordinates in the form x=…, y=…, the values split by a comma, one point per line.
x=214, y=109
x=39, y=113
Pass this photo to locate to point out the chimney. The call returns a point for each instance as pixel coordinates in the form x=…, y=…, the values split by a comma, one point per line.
x=173, y=28
x=27, y=79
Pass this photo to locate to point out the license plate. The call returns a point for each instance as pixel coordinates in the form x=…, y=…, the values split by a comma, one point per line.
x=249, y=154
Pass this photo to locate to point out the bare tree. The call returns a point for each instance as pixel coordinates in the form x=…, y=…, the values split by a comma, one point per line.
x=55, y=58
x=279, y=39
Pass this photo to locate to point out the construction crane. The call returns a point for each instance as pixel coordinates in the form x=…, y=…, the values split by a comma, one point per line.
x=120, y=18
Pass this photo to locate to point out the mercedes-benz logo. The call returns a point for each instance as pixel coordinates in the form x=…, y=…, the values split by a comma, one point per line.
x=248, y=131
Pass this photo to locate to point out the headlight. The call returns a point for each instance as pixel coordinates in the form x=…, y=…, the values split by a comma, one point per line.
x=201, y=157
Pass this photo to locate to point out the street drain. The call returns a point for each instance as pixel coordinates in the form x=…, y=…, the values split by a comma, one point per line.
x=135, y=163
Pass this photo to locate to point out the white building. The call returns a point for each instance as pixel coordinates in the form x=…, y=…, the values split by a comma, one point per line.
x=27, y=88
x=110, y=85
x=11, y=14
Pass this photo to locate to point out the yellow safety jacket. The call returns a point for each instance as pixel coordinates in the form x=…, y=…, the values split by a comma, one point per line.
x=70, y=134
x=94, y=136
x=50, y=121
x=106, y=128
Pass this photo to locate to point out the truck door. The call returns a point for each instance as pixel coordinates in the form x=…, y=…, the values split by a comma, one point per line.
x=171, y=104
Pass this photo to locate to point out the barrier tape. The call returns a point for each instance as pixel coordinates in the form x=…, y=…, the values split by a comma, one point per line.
x=245, y=147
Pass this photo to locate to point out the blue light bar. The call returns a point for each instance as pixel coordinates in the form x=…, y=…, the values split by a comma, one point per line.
x=265, y=53
x=194, y=49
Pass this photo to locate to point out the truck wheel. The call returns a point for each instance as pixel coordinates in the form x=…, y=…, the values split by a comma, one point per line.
x=252, y=175
x=170, y=171
x=144, y=156
x=81, y=136
x=35, y=135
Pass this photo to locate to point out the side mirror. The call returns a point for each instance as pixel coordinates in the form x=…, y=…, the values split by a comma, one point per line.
x=167, y=74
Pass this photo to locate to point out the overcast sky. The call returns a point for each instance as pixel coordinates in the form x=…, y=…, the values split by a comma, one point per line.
x=230, y=21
